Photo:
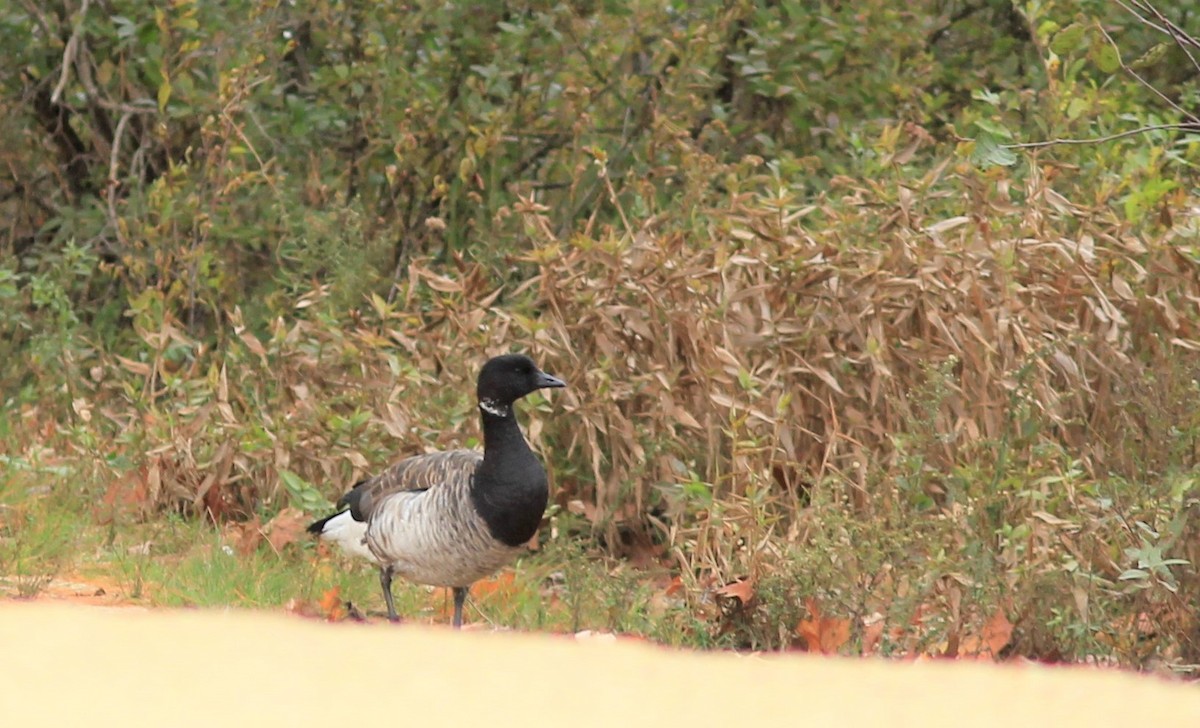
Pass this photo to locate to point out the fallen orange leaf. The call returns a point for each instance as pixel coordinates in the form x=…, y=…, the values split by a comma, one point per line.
x=331, y=604
x=742, y=590
x=994, y=637
x=502, y=582
x=823, y=634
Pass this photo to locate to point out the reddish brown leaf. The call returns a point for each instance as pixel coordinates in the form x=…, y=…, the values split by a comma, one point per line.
x=872, y=634
x=742, y=590
x=128, y=494
x=246, y=536
x=216, y=503
x=993, y=638
x=331, y=604
x=640, y=550
x=997, y=632
x=503, y=584
x=285, y=528
x=823, y=634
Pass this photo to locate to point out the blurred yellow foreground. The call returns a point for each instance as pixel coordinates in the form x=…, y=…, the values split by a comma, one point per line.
x=92, y=666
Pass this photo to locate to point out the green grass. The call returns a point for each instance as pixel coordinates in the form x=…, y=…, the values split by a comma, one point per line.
x=42, y=534
x=49, y=528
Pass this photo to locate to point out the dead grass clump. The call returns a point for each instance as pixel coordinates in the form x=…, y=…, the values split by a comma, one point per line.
x=770, y=351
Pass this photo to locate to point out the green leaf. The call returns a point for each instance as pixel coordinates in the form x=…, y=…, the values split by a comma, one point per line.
x=164, y=93
x=986, y=96
x=1047, y=27
x=1068, y=39
x=1106, y=58
x=125, y=26
x=303, y=495
x=1151, y=57
x=994, y=129
x=989, y=152
x=1138, y=202
x=466, y=168
x=1076, y=107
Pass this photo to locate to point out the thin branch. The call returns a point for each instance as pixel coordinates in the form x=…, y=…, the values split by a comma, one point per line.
x=69, y=53
x=33, y=9
x=113, y=160
x=1145, y=20
x=138, y=106
x=238, y=96
x=1109, y=138
x=1170, y=102
x=1179, y=35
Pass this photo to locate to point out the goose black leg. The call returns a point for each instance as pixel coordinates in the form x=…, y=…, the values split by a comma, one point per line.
x=385, y=581
x=460, y=596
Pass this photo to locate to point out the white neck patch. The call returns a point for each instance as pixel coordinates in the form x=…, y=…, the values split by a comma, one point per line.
x=492, y=408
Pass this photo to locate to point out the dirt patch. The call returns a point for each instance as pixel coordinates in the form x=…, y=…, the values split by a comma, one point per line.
x=74, y=666
x=93, y=591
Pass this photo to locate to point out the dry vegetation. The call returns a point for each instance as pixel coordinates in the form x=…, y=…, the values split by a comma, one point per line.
x=861, y=397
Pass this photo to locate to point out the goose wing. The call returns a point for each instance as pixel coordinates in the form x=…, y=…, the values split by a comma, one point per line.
x=447, y=469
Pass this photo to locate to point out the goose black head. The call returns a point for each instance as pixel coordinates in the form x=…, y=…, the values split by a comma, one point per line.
x=505, y=379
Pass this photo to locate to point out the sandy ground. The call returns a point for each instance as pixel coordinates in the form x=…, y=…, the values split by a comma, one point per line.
x=67, y=665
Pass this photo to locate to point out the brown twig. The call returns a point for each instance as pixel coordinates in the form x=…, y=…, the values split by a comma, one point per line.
x=114, y=159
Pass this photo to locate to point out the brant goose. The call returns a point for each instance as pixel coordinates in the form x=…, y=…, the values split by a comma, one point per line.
x=450, y=518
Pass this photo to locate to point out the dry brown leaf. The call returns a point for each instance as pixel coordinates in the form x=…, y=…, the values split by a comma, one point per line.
x=135, y=367
x=993, y=638
x=440, y=283
x=686, y=419
x=254, y=345
x=286, y=527
x=823, y=634
x=127, y=494
x=303, y=608
x=872, y=634
x=742, y=590
x=246, y=536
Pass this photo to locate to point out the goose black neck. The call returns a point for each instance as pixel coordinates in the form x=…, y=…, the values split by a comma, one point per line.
x=501, y=432
x=510, y=490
